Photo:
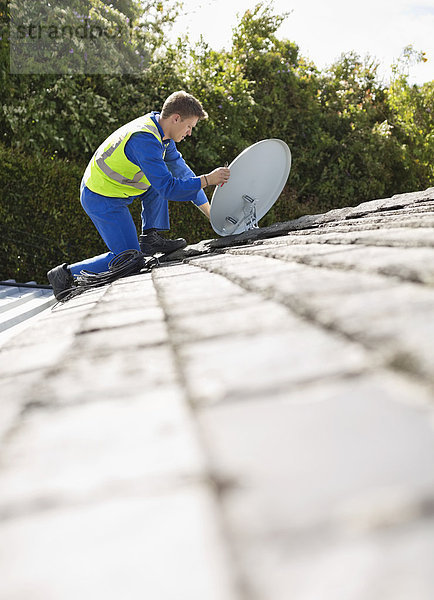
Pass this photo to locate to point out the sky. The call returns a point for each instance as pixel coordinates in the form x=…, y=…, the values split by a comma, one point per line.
x=323, y=29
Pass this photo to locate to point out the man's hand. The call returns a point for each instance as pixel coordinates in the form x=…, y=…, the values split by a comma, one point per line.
x=218, y=176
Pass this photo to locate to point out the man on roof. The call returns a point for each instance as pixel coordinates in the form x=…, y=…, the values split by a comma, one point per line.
x=141, y=160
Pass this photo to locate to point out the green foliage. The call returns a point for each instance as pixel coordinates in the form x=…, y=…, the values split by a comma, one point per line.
x=352, y=138
x=41, y=220
x=68, y=115
x=412, y=117
x=71, y=36
x=67, y=118
x=353, y=151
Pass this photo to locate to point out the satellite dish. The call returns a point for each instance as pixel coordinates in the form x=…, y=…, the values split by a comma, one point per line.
x=258, y=176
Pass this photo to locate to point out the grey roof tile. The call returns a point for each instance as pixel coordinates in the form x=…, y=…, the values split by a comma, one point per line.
x=251, y=420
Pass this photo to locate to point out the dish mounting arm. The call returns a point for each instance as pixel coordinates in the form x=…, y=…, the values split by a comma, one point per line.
x=249, y=219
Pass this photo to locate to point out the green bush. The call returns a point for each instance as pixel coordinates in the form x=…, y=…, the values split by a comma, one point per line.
x=41, y=221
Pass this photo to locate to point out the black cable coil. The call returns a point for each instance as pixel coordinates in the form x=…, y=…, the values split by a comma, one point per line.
x=128, y=262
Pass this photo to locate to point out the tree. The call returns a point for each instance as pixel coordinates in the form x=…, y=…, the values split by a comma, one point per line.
x=412, y=119
x=68, y=111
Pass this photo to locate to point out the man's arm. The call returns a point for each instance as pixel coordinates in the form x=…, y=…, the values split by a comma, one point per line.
x=205, y=208
x=179, y=168
x=144, y=150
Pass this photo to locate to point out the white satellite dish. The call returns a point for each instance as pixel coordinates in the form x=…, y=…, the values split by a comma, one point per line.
x=258, y=176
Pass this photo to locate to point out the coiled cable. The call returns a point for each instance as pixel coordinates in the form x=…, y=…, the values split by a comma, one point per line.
x=128, y=262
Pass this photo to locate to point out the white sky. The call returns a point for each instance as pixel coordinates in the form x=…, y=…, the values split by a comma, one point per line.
x=325, y=28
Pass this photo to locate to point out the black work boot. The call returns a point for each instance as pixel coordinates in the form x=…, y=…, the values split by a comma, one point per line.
x=152, y=243
x=61, y=280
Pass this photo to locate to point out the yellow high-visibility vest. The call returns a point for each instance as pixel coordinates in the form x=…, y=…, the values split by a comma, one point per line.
x=110, y=173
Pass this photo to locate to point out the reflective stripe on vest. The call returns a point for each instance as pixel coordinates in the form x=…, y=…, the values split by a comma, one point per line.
x=116, y=142
x=135, y=182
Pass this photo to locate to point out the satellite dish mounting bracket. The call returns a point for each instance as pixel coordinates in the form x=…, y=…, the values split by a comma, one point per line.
x=251, y=222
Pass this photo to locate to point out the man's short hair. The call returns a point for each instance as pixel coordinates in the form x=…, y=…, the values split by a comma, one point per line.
x=183, y=104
